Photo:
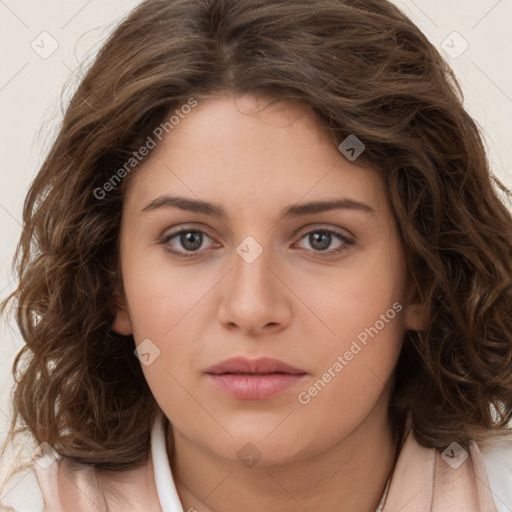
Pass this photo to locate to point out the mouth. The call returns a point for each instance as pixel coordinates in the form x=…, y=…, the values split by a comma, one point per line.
x=255, y=379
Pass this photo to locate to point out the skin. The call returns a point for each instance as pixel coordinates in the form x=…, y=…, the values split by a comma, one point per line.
x=294, y=303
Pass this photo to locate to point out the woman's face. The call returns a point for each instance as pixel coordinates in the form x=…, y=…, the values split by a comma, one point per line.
x=288, y=251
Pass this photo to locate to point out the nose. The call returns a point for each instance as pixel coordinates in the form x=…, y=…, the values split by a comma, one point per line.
x=254, y=298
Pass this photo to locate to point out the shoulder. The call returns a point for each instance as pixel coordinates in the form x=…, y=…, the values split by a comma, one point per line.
x=497, y=458
x=20, y=492
x=39, y=480
x=19, y=487
x=48, y=485
x=60, y=486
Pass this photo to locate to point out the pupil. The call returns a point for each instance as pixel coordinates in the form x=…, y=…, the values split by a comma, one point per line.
x=191, y=240
x=320, y=240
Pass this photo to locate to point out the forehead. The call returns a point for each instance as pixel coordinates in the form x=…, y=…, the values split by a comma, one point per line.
x=250, y=150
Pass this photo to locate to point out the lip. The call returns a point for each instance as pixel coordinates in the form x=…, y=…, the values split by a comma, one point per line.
x=254, y=379
x=259, y=366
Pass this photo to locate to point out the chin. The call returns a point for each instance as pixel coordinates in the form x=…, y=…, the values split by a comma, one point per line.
x=252, y=448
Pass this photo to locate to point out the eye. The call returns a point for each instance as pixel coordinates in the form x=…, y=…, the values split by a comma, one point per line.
x=326, y=241
x=190, y=240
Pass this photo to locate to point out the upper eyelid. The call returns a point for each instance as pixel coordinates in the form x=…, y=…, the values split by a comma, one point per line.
x=337, y=230
x=298, y=233
x=173, y=232
x=312, y=227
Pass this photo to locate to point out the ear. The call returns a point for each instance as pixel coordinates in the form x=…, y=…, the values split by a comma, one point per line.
x=416, y=312
x=122, y=323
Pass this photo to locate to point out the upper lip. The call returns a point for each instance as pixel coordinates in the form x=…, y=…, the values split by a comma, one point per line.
x=263, y=365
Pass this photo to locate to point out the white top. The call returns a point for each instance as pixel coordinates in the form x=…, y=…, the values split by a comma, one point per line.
x=23, y=493
x=497, y=459
x=165, y=487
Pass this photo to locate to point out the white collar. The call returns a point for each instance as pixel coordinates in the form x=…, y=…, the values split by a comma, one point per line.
x=165, y=486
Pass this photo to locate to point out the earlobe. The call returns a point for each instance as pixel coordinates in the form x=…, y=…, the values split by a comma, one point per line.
x=122, y=323
x=416, y=312
x=415, y=317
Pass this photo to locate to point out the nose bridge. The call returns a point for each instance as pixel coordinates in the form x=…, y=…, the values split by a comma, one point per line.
x=251, y=257
x=250, y=276
x=253, y=298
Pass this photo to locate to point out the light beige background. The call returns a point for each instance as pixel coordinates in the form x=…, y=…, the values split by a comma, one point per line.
x=31, y=82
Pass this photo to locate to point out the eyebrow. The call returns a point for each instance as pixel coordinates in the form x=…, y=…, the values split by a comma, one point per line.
x=296, y=210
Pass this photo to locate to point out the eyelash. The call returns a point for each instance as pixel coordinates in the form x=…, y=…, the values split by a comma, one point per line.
x=194, y=254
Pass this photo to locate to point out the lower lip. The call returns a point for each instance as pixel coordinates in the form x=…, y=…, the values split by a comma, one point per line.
x=255, y=387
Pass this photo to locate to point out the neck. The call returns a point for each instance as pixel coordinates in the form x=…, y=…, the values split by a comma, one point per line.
x=352, y=472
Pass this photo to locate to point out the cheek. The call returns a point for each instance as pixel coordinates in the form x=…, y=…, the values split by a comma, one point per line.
x=364, y=312
x=161, y=295
x=352, y=373
x=169, y=312
x=357, y=296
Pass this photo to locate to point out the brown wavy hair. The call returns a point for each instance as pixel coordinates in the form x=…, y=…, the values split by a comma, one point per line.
x=363, y=68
